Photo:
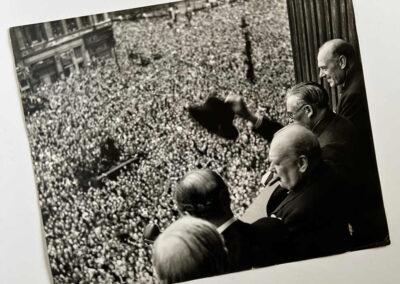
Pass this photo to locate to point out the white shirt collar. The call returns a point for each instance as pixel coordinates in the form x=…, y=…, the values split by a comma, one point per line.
x=225, y=225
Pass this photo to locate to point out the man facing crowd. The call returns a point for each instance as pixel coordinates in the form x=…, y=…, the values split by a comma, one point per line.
x=307, y=104
x=310, y=210
x=340, y=66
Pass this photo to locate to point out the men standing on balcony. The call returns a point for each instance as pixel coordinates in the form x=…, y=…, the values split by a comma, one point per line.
x=340, y=67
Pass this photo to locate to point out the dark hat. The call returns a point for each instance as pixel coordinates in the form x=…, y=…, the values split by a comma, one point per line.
x=216, y=116
x=151, y=232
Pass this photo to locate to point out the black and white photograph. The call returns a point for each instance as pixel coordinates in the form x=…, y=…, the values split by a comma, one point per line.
x=198, y=138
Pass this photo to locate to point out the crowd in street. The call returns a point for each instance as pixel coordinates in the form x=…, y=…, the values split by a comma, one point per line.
x=139, y=101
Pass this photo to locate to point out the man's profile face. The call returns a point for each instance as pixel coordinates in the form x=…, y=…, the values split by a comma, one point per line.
x=329, y=68
x=285, y=166
x=295, y=109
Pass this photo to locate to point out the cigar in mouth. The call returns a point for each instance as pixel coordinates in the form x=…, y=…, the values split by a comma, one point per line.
x=269, y=179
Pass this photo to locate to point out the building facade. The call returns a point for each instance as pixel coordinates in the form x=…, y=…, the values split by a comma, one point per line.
x=48, y=51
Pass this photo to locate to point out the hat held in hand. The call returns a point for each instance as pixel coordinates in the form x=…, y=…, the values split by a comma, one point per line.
x=216, y=116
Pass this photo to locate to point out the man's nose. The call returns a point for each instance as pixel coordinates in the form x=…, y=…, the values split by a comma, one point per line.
x=321, y=73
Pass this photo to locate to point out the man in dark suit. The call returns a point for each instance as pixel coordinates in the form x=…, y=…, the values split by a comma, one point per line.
x=340, y=66
x=203, y=194
x=307, y=103
x=311, y=208
x=343, y=149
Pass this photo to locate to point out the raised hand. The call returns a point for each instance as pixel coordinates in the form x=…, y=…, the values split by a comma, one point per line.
x=239, y=107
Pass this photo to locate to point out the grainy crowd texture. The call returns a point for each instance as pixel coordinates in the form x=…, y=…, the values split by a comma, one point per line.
x=88, y=122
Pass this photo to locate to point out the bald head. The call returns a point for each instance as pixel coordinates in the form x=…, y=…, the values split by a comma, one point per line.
x=335, y=58
x=190, y=248
x=337, y=47
x=297, y=140
x=203, y=194
x=294, y=151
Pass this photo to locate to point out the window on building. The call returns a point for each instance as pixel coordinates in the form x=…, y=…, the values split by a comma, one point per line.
x=78, y=52
x=56, y=28
x=71, y=24
x=67, y=71
x=33, y=33
x=100, y=17
x=54, y=77
x=85, y=21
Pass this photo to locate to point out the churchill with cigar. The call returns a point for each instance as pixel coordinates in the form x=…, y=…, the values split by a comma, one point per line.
x=307, y=104
x=341, y=148
x=309, y=209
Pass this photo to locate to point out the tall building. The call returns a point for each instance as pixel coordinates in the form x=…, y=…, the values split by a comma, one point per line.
x=48, y=51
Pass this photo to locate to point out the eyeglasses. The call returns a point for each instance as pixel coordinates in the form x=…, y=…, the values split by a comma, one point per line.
x=292, y=114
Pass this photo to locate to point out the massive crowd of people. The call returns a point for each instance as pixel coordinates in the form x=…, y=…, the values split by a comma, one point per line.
x=94, y=232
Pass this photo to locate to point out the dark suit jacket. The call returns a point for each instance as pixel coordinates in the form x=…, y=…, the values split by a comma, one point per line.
x=238, y=242
x=315, y=215
x=353, y=105
x=253, y=245
x=338, y=140
x=271, y=242
x=348, y=149
x=353, y=101
x=268, y=128
x=352, y=157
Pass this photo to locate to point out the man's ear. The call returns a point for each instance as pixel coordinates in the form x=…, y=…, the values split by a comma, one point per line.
x=309, y=110
x=342, y=62
x=302, y=163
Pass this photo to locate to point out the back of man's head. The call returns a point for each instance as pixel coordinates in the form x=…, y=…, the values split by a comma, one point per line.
x=296, y=140
x=188, y=249
x=203, y=194
x=310, y=93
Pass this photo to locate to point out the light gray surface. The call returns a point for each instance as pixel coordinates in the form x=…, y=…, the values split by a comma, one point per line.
x=257, y=209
